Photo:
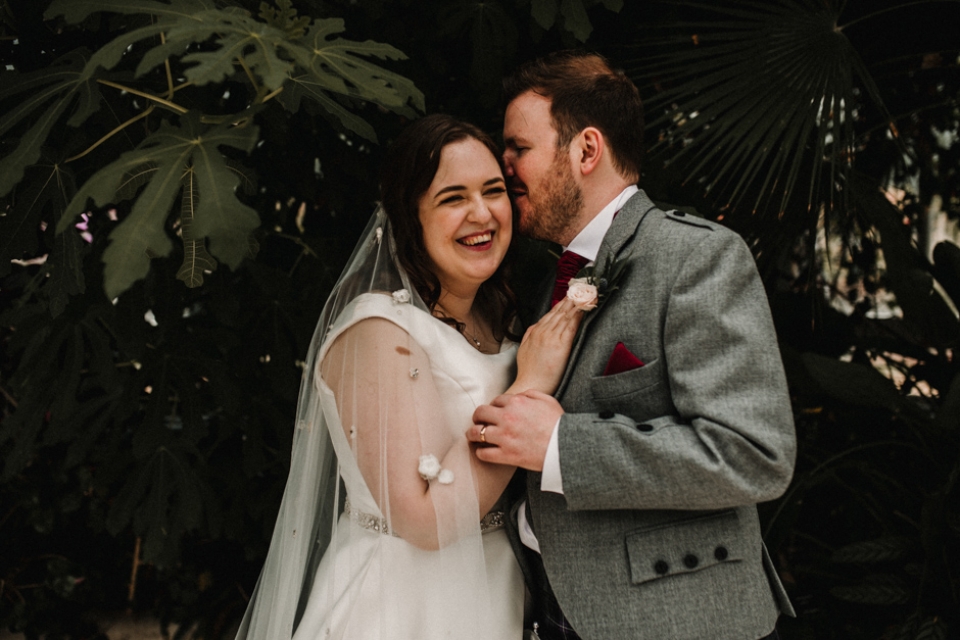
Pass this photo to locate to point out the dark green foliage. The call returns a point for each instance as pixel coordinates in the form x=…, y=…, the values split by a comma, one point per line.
x=156, y=416
x=140, y=415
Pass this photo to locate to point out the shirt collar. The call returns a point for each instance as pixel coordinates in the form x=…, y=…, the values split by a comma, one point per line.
x=587, y=242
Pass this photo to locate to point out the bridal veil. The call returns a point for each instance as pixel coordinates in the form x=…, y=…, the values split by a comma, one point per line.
x=360, y=380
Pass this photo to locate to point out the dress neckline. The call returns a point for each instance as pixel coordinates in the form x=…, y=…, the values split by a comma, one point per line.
x=505, y=345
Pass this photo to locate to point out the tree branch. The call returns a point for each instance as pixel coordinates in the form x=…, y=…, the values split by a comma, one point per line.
x=256, y=87
x=272, y=94
x=143, y=94
x=143, y=114
x=166, y=65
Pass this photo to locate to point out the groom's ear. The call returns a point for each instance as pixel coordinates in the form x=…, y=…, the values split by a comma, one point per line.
x=591, y=148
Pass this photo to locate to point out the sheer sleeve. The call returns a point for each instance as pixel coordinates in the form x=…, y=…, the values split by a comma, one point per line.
x=392, y=414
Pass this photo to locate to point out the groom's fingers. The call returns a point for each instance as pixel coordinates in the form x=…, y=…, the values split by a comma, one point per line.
x=474, y=435
x=493, y=455
x=485, y=414
x=518, y=432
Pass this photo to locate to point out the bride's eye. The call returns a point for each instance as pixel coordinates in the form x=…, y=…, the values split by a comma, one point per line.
x=495, y=191
x=451, y=199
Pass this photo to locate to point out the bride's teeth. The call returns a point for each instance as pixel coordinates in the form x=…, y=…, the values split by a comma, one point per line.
x=476, y=240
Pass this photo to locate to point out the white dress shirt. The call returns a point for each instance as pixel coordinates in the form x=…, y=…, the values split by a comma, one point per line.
x=587, y=244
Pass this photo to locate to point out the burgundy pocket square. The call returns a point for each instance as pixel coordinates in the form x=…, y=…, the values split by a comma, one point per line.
x=621, y=361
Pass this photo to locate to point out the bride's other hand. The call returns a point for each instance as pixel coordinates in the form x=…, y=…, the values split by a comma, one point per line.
x=545, y=349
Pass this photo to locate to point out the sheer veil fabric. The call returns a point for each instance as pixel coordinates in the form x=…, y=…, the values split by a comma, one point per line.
x=361, y=547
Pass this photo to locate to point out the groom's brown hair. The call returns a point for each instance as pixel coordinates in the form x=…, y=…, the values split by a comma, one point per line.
x=584, y=91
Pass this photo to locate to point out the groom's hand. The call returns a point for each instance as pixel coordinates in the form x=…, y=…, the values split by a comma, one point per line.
x=516, y=429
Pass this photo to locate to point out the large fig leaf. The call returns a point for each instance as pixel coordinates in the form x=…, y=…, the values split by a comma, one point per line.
x=285, y=17
x=172, y=152
x=195, y=257
x=272, y=54
x=238, y=36
x=52, y=90
x=309, y=85
x=220, y=216
x=337, y=64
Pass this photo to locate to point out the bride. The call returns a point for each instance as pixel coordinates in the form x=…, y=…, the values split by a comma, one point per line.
x=389, y=527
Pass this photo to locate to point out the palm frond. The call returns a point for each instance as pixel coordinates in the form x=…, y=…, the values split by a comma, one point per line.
x=755, y=102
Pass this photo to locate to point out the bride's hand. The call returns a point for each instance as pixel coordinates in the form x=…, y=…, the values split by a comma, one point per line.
x=542, y=357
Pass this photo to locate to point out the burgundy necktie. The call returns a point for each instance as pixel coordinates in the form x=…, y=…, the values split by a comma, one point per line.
x=568, y=266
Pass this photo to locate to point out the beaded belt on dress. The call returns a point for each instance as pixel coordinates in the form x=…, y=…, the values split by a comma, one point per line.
x=490, y=522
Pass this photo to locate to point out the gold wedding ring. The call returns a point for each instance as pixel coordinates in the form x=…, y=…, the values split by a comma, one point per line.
x=483, y=434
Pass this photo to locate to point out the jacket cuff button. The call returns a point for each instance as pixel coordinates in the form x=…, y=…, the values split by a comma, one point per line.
x=644, y=427
x=690, y=561
x=606, y=415
x=661, y=567
x=721, y=553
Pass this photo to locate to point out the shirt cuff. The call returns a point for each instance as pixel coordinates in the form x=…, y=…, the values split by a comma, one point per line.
x=550, y=479
x=526, y=531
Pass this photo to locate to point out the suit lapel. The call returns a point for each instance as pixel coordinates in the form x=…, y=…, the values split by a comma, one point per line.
x=624, y=227
x=546, y=294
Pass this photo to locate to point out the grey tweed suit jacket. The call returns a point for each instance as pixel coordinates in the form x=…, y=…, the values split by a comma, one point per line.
x=656, y=535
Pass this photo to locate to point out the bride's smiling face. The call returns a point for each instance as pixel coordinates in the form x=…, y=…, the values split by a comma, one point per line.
x=466, y=216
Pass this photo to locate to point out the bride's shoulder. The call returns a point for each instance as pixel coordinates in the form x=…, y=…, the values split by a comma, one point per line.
x=395, y=307
x=390, y=305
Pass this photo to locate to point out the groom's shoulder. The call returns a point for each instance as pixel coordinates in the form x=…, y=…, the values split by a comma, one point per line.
x=667, y=218
x=678, y=227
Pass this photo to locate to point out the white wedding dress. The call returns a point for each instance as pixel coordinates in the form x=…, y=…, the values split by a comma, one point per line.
x=372, y=584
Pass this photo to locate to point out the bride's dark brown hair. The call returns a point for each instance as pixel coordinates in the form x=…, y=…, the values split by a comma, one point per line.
x=409, y=167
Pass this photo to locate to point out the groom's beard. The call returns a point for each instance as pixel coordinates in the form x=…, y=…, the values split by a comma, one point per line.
x=556, y=208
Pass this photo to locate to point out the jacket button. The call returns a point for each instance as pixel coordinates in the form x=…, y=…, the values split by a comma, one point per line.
x=690, y=561
x=661, y=567
x=606, y=415
x=721, y=553
x=644, y=427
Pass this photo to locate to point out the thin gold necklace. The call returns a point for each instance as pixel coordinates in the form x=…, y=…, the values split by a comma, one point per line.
x=475, y=338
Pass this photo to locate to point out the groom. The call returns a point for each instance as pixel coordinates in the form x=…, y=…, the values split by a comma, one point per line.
x=672, y=419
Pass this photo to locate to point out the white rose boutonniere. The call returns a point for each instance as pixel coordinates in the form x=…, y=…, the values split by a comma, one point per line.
x=401, y=296
x=592, y=285
x=583, y=294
